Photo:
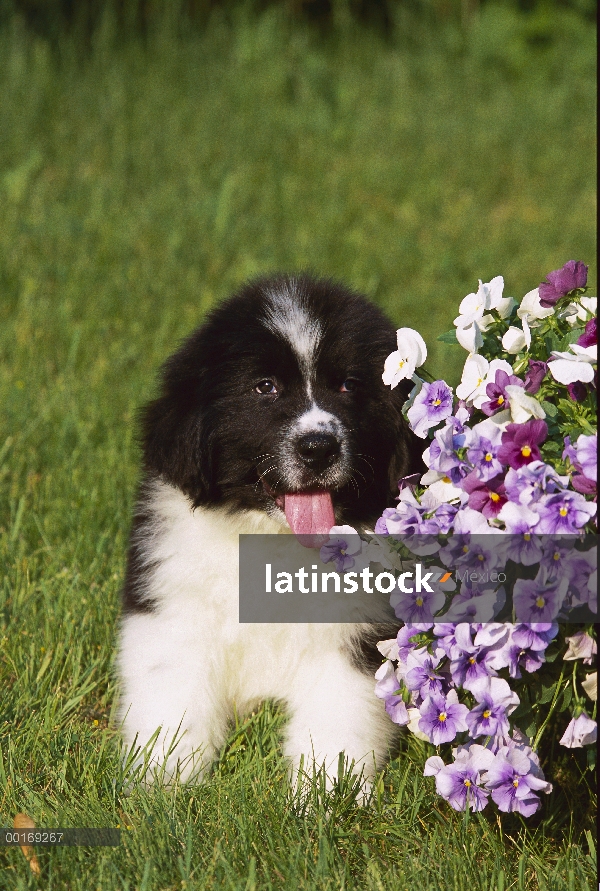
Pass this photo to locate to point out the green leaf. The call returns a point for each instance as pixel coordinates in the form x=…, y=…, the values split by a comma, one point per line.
x=550, y=409
x=448, y=337
x=546, y=694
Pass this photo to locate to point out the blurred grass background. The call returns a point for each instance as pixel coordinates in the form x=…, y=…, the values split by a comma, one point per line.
x=152, y=157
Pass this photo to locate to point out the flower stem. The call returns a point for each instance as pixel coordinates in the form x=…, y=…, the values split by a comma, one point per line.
x=538, y=735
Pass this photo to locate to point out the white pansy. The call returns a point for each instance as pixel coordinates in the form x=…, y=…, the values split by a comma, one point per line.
x=515, y=339
x=473, y=377
x=590, y=685
x=523, y=406
x=531, y=308
x=515, y=516
x=474, y=317
x=414, y=716
x=440, y=490
x=410, y=355
x=574, y=366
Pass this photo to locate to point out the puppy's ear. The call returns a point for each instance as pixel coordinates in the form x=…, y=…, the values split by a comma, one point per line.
x=407, y=456
x=177, y=441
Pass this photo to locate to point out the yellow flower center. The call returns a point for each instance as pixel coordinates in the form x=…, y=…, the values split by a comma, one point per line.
x=442, y=716
x=465, y=549
x=526, y=451
x=488, y=456
x=515, y=782
x=401, y=363
x=500, y=399
x=343, y=552
x=540, y=602
x=563, y=511
x=445, y=479
x=494, y=496
x=527, y=536
x=472, y=660
x=556, y=555
x=467, y=783
x=480, y=557
x=487, y=713
x=437, y=401
x=419, y=601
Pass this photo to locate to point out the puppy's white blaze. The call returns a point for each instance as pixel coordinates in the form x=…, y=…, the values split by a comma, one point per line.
x=285, y=315
x=316, y=419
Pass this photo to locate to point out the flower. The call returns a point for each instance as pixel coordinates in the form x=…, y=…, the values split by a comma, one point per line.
x=497, y=393
x=461, y=783
x=495, y=701
x=581, y=731
x=531, y=309
x=590, y=685
x=587, y=455
x=514, y=340
x=539, y=599
x=410, y=355
x=416, y=606
x=487, y=497
x=483, y=457
x=567, y=368
x=581, y=646
x=560, y=282
x=517, y=518
x=421, y=673
x=474, y=313
x=577, y=391
x=514, y=778
x=442, y=717
x=527, y=484
x=386, y=688
x=344, y=542
x=564, y=512
x=520, y=443
x=590, y=335
x=536, y=372
x=522, y=406
x=432, y=405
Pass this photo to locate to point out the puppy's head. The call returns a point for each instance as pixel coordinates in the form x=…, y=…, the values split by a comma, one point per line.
x=277, y=403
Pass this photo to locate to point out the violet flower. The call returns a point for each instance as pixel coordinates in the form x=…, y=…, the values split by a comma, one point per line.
x=421, y=673
x=577, y=391
x=432, y=405
x=590, y=335
x=514, y=778
x=344, y=542
x=527, y=484
x=564, y=512
x=495, y=702
x=461, y=783
x=520, y=443
x=560, y=282
x=581, y=731
x=469, y=662
x=587, y=455
x=416, y=606
x=539, y=599
x=483, y=457
x=442, y=717
x=535, y=374
x=486, y=497
x=386, y=688
x=498, y=397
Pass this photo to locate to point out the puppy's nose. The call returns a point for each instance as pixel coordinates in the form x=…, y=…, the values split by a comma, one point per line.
x=318, y=450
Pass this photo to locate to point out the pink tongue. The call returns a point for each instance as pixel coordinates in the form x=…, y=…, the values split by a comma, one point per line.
x=310, y=516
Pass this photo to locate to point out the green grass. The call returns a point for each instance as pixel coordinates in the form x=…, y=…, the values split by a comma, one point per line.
x=137, y=188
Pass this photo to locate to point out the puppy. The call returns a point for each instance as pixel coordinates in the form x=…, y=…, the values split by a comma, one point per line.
x=272, y=417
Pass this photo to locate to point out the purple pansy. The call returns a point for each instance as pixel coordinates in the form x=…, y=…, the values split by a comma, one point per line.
x=344, y=542
x=590, y=335
x=442, y=717
x=535, y=374
x=495, y=702
x=514, y=778
x=520, y=443
x=486, y=497
x=416, y=606
x=564, y=512
x=539, y=599
x=587, y=455
x=560, y=282
x=577, y=391
x=496, y=390
x=483, y=457
x=421, y=673
x=469, y=662
x=432, y=405
x=387, y=689
x=527, y=484
x=461, y=783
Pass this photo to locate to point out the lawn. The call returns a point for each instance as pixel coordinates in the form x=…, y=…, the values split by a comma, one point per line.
x=140, y=183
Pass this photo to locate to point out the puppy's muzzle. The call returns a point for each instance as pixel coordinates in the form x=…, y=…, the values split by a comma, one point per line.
x=317, y=451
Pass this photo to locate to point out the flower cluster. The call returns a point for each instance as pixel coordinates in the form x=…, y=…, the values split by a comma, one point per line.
x=514, y=452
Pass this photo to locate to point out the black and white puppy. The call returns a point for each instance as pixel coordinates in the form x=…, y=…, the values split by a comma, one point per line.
x=272, y=417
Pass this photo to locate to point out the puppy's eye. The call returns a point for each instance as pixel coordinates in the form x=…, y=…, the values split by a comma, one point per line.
x=349, y=385
x=266, y=387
